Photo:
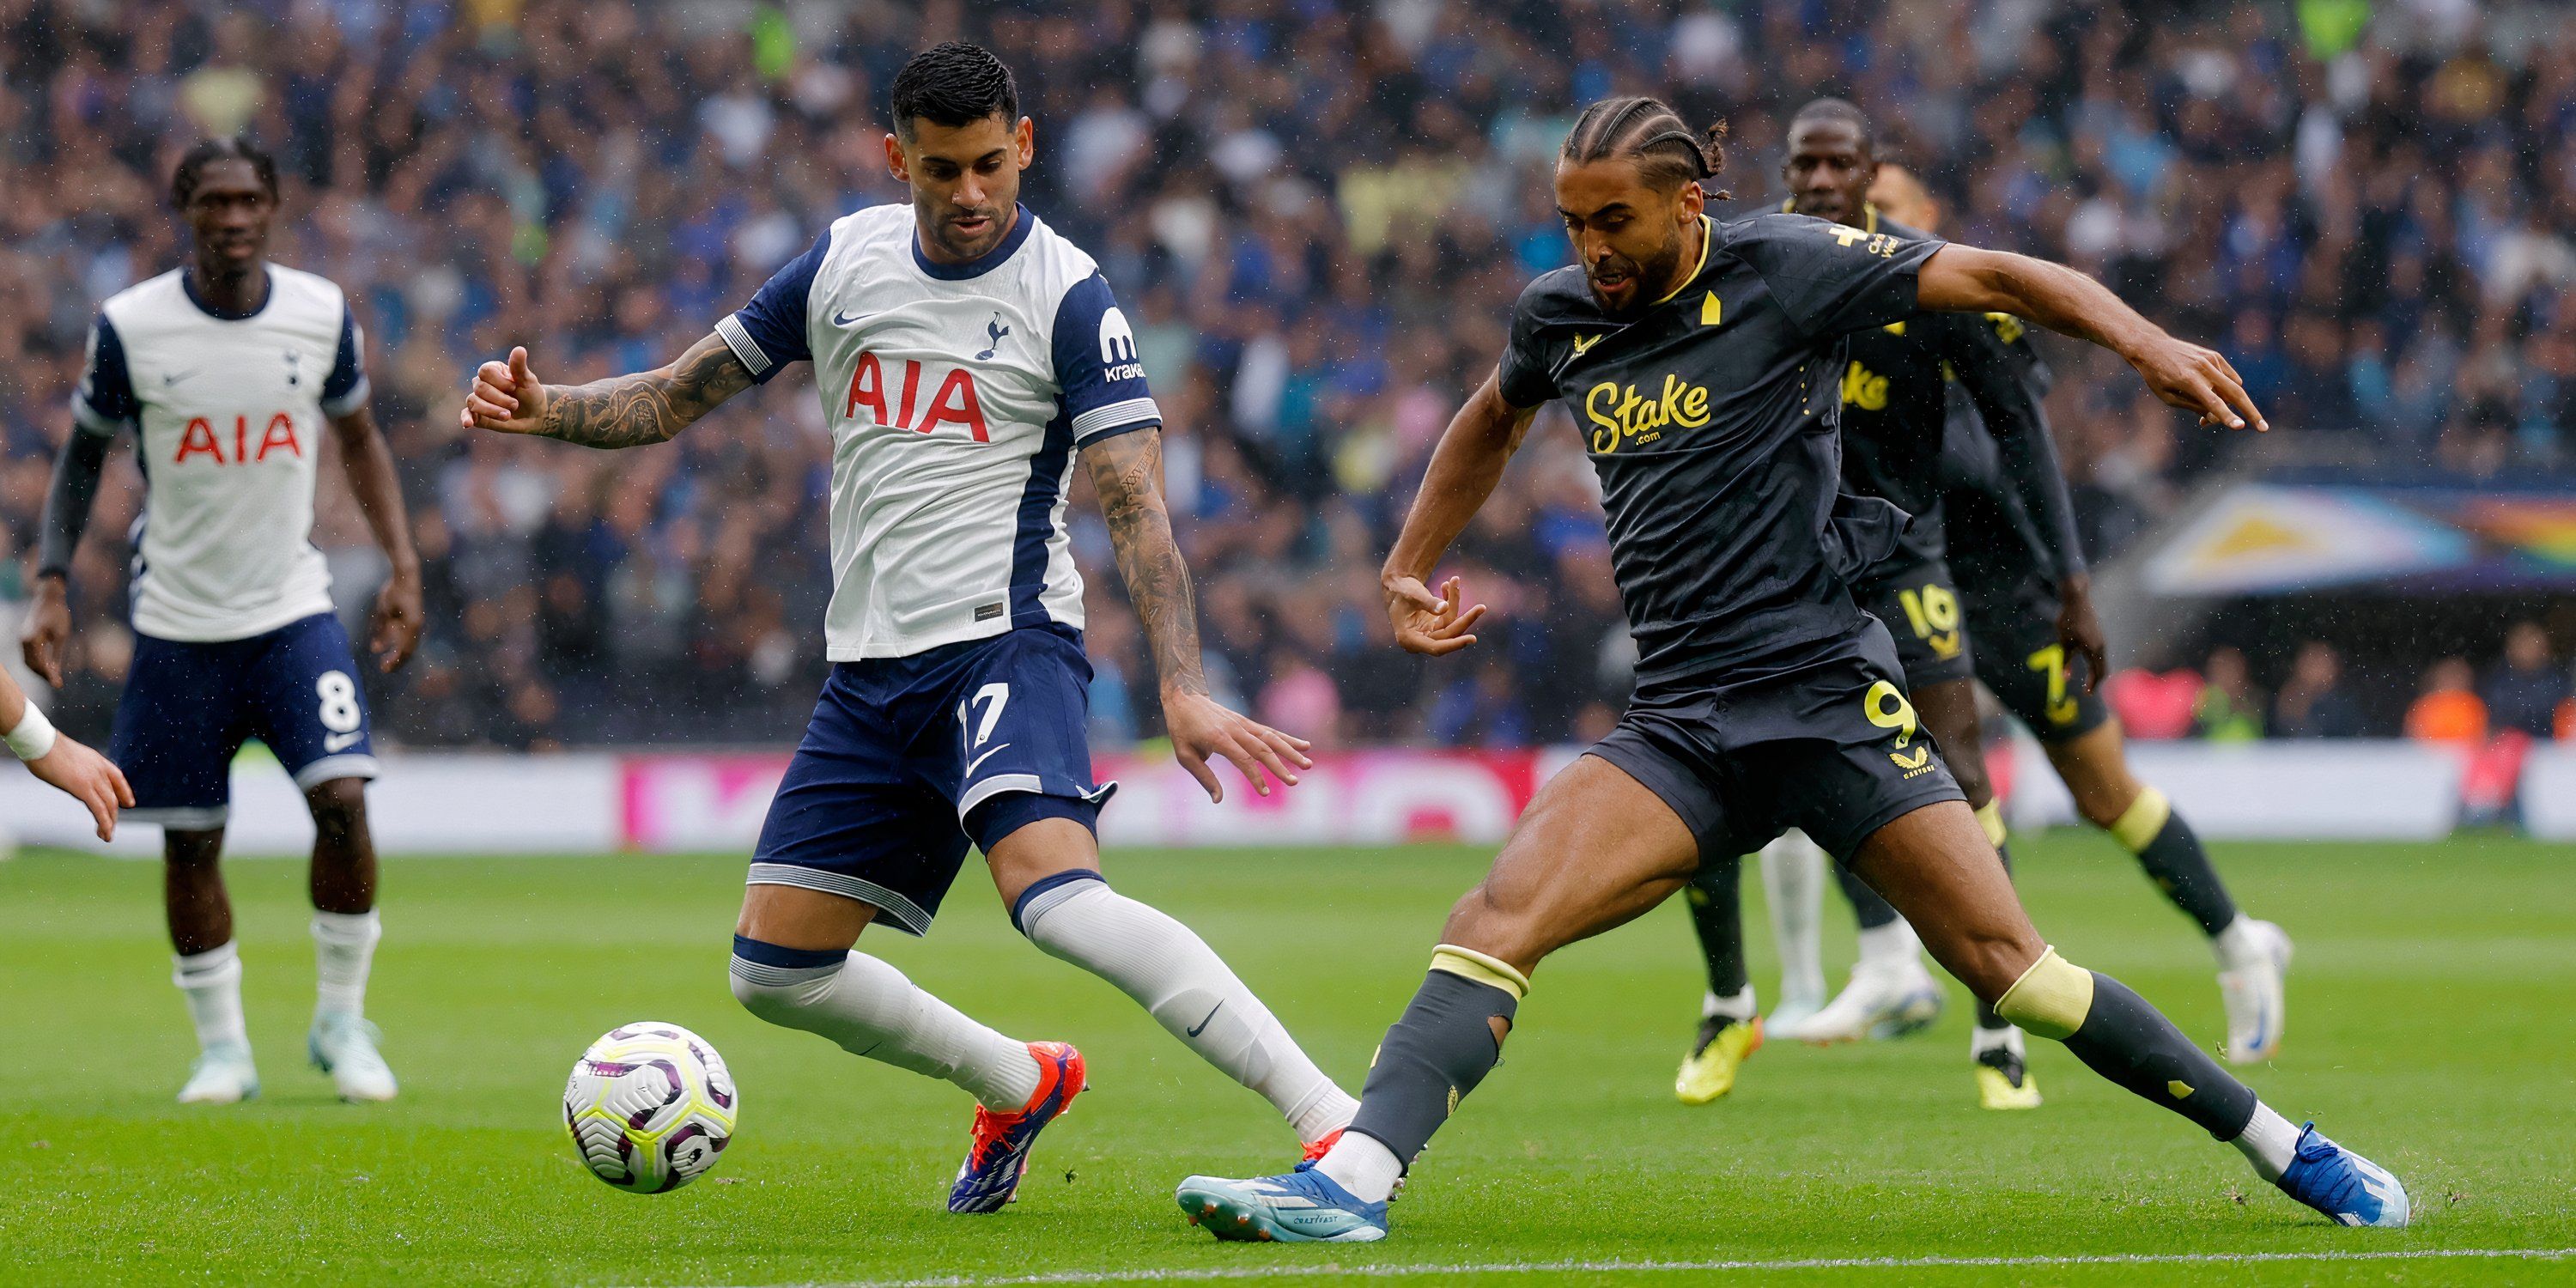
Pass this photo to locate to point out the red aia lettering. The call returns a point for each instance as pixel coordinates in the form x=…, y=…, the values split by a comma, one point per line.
x=199, y=440
x=281, y=434
x=867, y=385
x=956, y=401
x=967, y=410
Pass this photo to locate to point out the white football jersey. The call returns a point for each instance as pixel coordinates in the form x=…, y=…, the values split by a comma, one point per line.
x=229, y=415
x=957, y=396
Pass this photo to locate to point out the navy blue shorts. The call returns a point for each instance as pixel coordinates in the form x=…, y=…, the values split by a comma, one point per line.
x=909, y=760
x=1831, y=746
x=188, y=708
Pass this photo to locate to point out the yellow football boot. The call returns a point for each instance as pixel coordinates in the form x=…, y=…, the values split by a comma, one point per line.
x=2002, y=1080
x=1709, y=1071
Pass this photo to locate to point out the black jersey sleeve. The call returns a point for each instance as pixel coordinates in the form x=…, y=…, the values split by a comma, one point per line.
x=1831, y=278
x=1992, y=358
x=1523, y=377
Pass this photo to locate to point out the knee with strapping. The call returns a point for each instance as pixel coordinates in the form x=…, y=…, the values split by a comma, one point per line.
x=2050, y=999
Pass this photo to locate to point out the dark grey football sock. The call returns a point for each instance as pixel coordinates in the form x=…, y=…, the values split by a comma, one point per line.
x=1450, y=1036
x=2175, y=861
x=1871, y=911
x=1716, y=901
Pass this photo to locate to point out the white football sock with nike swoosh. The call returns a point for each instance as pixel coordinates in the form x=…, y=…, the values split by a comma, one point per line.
x=1189, y=990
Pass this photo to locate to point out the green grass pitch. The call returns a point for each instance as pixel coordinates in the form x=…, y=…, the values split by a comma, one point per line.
x=2429, y=1026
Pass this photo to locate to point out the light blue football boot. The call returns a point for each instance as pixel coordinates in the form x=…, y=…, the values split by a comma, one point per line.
x=1304, y=1206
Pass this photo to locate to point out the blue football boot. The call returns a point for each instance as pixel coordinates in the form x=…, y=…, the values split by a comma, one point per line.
x=2343, y=1184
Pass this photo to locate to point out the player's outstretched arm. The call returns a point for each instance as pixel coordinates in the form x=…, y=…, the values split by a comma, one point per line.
x=621, y=411
x=77, y=471
x=86, y=775
x=370, y=466
x=1464, y=468
x=1127, y=472
x=1966, y=279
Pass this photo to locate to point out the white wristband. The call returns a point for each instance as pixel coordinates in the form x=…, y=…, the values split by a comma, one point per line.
x=33, y=739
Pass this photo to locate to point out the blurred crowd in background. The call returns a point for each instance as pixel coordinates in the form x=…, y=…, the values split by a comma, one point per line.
x=1317, y=212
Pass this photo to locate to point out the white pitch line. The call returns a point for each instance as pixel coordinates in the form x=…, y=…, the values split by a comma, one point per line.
x=1331, y=1271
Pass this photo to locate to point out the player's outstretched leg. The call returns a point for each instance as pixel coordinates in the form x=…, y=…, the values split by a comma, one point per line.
x=1793, y=888
x=1072, y=913
x=1729, y=1028
x=1595, y=849
x=1930, y=863
x=868, y=1008
x=207, y=967
x=2253, y=955
x=343, y=1042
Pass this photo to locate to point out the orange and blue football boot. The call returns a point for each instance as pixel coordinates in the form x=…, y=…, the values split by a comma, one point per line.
x=999, y=1152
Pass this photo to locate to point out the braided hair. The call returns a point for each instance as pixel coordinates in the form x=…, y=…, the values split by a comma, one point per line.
x=1667, y=151
x=192, y=165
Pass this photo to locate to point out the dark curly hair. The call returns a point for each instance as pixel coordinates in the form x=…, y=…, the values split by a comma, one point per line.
x=952, y=84
x=183, y=181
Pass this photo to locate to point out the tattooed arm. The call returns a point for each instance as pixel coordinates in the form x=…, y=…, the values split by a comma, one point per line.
x=1127, y=472
x=621, y=411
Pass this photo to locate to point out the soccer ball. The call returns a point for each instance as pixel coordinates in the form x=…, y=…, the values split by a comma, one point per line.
x=650, y=1106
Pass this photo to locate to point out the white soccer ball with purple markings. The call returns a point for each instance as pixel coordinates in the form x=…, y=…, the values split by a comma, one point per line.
x=650, y=1107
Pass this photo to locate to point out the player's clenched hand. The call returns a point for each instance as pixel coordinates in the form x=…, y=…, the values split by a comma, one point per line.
x=49, y=627
x=1203, y=729
x=506, y=397
x=2079, y=632
x=91, y=778
x=1428, y=623
x=2198, y=380
x=398, y=621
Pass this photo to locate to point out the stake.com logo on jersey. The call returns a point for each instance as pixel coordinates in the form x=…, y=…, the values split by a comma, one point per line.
x=955, y=402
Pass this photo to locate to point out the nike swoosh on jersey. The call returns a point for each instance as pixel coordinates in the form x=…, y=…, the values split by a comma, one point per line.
x=343, y=741
x=970, y=765
x=842, y=319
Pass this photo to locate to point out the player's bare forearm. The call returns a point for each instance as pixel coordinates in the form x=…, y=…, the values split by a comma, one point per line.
x=648, y=406
x=78, y=470
x=1127, y=472
x=1968, y=279
x=1465, y=466
x=369, y=464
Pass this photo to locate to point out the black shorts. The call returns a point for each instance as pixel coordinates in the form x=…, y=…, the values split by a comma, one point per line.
x=1917, y=598
x=1832, y=747
x=2019, y=657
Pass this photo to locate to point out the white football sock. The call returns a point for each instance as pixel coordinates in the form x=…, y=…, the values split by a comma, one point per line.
x=212, y=982
x=870, y=1009
x=1182, y=983
x=1982, y=1039
x=1793, y=887
x=2269, y=1142
x=344, y=943
x=1892, y=944
x=1363, y=1165
x=1739, y=1008
x=2236, y=944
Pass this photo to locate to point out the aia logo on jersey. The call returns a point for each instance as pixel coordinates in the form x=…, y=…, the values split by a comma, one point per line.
x=202, y=439
x=956, y=401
